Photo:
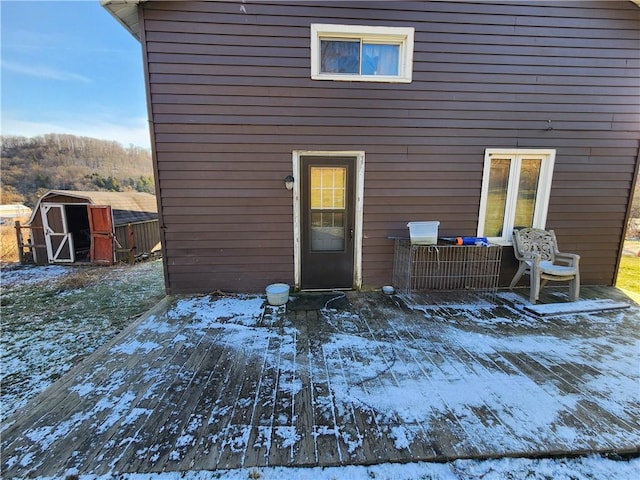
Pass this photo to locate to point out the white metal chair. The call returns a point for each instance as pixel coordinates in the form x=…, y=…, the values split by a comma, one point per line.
x=537, y=252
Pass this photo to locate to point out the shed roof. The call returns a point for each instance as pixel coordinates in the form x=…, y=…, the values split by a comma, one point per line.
x=127, y=207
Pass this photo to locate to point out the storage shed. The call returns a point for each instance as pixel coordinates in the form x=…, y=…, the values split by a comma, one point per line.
x=98, y=227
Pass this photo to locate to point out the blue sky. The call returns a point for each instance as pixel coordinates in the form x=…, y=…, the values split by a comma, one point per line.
x=69, y=67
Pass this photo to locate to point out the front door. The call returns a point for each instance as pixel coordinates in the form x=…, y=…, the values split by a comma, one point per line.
x=327, y=217
x=57, y=236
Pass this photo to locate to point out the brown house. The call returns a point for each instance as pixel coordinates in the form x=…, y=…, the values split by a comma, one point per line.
x=484, y=116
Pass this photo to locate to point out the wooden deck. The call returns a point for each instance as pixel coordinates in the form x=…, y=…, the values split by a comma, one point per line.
x=206, y=383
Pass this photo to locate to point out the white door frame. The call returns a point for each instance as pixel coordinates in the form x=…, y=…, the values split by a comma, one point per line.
x=358, y=155
x=67, y=237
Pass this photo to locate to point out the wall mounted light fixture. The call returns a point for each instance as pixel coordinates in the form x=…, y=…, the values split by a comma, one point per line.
x=288, y=182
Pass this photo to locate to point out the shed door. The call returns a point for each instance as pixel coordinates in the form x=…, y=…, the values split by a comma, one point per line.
x=101, y=228
x=57, y=237
x=327, y=222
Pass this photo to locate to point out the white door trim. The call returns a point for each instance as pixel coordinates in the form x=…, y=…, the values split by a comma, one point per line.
x=359, y=210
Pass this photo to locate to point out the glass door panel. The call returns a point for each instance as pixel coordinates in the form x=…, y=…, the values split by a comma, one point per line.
x=527, y=191
x=328, y=193
x=497, y=197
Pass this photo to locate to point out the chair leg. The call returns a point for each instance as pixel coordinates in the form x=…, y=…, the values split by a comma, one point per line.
x=534, y=293
x=521, y=271
x=574, y=289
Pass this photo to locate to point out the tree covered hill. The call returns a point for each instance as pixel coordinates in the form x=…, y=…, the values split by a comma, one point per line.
x=31, y=166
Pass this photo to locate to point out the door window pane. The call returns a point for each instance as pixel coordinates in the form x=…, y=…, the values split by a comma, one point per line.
x=340, y=56
x=328, y=188
x=327, y=219
x=328, y=193
x=327, y=231
x=497, y=197
x=527, y=191
x=380, y=59
x=327, y=239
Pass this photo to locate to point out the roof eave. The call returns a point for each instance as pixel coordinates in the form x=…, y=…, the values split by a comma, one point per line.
x=126, y=13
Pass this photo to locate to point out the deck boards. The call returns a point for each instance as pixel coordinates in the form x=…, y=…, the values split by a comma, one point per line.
x=185, y=390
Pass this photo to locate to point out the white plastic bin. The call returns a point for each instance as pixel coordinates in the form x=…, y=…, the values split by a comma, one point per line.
x=277, y=294
x=423, y=233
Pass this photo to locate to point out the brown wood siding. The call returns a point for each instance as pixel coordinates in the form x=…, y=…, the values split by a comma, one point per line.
x=231, y=98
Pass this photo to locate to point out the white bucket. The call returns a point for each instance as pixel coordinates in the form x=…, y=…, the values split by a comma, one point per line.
x=423, y=233
x=277, y=294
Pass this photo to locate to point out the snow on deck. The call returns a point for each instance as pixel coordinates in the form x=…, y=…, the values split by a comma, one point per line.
x=210, y=383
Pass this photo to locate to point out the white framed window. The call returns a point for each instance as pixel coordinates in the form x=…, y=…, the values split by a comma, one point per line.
x=361, y=53
x=516, y=184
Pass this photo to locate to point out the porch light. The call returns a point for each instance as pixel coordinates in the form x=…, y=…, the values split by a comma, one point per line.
x=288, y=182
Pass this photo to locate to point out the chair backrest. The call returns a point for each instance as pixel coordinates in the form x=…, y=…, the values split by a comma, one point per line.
x=535, y=240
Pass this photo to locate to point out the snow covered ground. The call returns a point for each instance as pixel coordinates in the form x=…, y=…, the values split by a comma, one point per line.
x=54, y=316
x=207, y=315
x=583, y=468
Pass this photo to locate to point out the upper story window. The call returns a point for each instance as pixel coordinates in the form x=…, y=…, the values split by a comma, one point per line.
x=359, y=53
x=516, y=185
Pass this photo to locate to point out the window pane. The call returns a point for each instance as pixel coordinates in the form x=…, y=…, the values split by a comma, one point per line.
x=527, y=191
x=497, y=198
x=327, y=177
x=380, y=59
x=327, y=198
x=327, y=219
x=328, y=191
x=340, y=56
x=328, y=188
x=327, y=231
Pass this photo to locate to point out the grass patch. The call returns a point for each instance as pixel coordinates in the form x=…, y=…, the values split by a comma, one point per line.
x=629, y=274
x=51, y=322
x=82, y=279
